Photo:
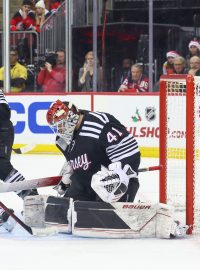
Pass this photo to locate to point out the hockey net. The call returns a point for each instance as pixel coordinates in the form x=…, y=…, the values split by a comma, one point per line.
x=180, y=146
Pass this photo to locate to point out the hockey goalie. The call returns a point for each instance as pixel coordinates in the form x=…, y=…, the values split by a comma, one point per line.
x=99, y=181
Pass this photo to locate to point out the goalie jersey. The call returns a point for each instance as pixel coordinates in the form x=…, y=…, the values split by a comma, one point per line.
x=100, y=141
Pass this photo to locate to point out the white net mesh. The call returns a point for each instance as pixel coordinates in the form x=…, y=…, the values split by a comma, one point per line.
x=176, y=147
x=176, y=143
x=197, y=156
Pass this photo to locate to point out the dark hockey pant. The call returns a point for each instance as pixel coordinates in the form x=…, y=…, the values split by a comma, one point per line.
x=7, y=171
x=6, y=143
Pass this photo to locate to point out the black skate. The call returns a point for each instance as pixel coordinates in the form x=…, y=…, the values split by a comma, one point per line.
x=179, y=230
x=6, y=221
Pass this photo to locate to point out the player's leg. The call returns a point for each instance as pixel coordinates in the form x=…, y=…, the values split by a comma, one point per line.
x=6, y=141
x=125, y=220
x=7, y=172
x=6, y=221
x=100, y=219
x=15, y=176
x=44, y=211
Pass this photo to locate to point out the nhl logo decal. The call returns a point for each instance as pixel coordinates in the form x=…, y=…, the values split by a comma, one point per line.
x=150, y=113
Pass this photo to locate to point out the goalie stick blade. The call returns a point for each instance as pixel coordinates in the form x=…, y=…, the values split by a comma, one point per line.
x=24, y=149
x=30, y=184
x=45, y=231
x=18, y=220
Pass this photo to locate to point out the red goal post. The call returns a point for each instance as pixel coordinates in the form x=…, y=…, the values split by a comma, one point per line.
x=180, y=145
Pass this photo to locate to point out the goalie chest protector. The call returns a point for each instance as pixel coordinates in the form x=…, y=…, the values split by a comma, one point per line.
x=90, y=146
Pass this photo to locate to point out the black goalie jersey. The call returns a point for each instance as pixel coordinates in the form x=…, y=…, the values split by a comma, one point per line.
x=100, y=140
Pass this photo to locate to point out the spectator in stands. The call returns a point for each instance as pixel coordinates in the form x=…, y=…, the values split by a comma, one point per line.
x=54, y=5
x=30, y=85
x=41, y=14
x=33, y=2
x=180, y=65
x=52, y=76
x=24, y=18
x=85, y=78
x=194, y=66
x=138, y=81
x=194, y=50
x=168, y=67
x=119, y=74
x=18, y=73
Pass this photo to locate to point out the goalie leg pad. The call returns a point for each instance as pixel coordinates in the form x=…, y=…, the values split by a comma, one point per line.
x=121, y=220
x=164, y=220
x=44, y=211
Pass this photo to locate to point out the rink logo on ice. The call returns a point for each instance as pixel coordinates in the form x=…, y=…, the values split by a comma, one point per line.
x=150, y=113
x=33, y=117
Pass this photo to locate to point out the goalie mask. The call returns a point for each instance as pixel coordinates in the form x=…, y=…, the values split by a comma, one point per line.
x=63, y=118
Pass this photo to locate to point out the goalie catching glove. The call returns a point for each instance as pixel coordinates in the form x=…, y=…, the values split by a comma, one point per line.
x=65, y=182
x=112, y=183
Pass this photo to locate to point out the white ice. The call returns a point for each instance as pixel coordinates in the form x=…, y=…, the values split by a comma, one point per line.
x=21, y=251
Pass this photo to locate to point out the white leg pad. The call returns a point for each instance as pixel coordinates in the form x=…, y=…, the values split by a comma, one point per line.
x=93, y=219
x=34, y=211
x=122, y=220
x=42, y=211
x=164, y=220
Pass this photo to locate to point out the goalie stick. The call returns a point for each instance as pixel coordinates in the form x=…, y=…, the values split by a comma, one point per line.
x=19, y=221
x=33, y=231
x=48, y=181
x=30, y=184
x=23, y=149
x=152, y=168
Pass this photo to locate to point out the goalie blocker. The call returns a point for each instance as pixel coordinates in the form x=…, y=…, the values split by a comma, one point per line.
x=100, y=219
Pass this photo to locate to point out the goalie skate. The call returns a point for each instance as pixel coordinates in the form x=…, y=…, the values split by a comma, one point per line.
x=6, y=221
x=179, y=230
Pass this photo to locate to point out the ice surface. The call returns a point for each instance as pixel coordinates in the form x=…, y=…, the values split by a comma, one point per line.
x=21, y=251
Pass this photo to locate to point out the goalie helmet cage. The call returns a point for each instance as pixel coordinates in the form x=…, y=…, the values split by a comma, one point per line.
x=180, y=146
